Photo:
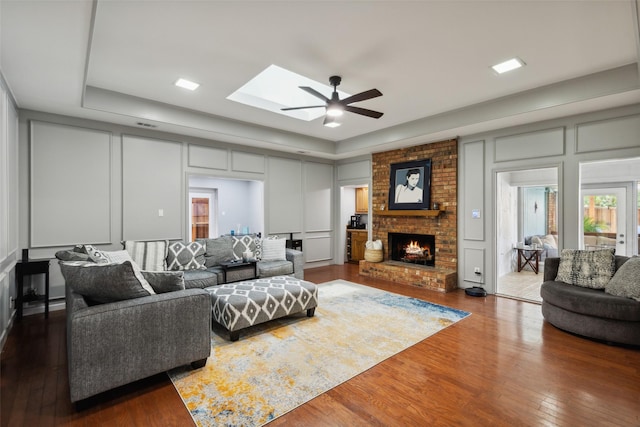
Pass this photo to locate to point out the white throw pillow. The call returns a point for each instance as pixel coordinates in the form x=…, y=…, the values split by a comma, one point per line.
x=274, y=250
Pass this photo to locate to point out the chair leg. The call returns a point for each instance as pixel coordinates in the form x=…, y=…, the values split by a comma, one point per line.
x=311, y=312
x=199, y=363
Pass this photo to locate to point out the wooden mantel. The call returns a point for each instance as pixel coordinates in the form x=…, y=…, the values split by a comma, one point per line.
x=426, y=212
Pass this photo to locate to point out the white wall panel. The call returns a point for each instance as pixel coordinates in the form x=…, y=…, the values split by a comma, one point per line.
x=152, y=189
x=317, y=248
x=208, y=157
x=247, y=162
x=621, y=132
x=70, y=185
x=12, y=177
x=318, y=194
x=473, y=258
x=361, y=169
x=473, y=195
x=531, y=145
x=4, y=177
x=284, y=195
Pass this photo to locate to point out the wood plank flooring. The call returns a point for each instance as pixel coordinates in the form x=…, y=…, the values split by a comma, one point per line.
x=501, y=366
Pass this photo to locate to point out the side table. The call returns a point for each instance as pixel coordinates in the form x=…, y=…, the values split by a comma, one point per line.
x=244, y=270
x=28, y=268
x=527, y=256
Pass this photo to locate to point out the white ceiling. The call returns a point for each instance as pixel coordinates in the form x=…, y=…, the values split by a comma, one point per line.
x=116, y=61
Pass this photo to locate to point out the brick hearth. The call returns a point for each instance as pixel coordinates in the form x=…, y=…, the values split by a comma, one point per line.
x=444, y=171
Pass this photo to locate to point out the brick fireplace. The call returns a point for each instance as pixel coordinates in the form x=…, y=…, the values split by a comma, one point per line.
x=440, y=273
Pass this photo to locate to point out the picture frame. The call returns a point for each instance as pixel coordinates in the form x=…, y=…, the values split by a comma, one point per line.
x=410, y=185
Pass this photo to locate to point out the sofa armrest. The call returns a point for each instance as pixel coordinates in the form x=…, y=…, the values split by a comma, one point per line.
x=109, y=345
x=551, y=265
x=297, y=259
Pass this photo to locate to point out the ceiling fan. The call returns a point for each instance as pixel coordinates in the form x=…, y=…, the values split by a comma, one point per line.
x=336, y=106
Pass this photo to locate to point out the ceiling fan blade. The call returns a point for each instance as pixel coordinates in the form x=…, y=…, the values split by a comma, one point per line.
x=302, y=108
x=314, y=92
x=362, y=96
x=363, y=111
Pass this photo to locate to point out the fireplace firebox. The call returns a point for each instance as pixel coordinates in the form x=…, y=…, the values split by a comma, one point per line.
x=413, y=248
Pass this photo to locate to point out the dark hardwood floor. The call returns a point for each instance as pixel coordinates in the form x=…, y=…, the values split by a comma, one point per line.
x=501, y=366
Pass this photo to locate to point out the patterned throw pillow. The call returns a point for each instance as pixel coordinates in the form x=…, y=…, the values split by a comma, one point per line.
x=241, y=244
x=104, y=283
x=274, y=250
x=626, y=281
x=95, y=254
x=150, y=256
x=185, y=256
x=589, y=269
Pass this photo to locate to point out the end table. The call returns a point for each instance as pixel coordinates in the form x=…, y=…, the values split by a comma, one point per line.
x=28, y=268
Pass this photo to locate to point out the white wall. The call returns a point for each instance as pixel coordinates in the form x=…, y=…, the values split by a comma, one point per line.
x=563, y=143
x=147, y=170
x=9, y=213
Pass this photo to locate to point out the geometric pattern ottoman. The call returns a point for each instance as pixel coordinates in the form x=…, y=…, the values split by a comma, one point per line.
x=242, y=304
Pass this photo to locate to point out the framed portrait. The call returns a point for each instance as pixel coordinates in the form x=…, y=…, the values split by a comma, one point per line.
x=410, y=185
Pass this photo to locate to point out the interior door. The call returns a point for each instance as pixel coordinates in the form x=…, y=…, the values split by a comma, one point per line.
x=202, y=214
x=604, y=219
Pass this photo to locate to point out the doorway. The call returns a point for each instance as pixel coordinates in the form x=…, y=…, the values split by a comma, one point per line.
x=526, y=230
x=203, y=213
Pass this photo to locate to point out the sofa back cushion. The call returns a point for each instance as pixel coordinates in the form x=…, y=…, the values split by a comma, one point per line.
x=217, y=250
x=185, y=256
x=590, y=269
x=104, y=283
x=150, y=256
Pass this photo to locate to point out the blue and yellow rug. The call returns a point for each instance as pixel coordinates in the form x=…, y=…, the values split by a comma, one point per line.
x=278, y=366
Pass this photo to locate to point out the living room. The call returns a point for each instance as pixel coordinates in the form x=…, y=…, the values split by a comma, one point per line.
x=132, y=182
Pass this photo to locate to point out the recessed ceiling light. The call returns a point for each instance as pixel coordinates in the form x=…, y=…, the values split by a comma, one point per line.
x=186, y=84
x=508, y=65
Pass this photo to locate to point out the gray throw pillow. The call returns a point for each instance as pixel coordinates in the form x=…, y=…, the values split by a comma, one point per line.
x=626, y=281
x=218, y=251
x=185, y=256
x=242, y=244
x=104, y=283
x=165, y=281
x=68, y=255
x=589, y=269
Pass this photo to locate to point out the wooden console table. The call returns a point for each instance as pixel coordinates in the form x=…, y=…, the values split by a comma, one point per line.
x=28, y=268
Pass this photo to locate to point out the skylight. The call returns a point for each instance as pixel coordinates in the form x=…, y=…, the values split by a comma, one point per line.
x=508, y=65
x=276, y=88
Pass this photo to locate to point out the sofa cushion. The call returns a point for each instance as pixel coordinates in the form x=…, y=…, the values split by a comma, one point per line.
x=274, y=268
x=103, y=283
x=165, y=281
x=218, y=250
x=241, y=244
x=150, y=256
x=185, y=256
x=274, y=250
x=626, y=281
x=590, y=269
x=202, y=278
x=590, y=302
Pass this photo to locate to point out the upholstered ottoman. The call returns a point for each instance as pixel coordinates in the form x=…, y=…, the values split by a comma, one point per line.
x=242, y=304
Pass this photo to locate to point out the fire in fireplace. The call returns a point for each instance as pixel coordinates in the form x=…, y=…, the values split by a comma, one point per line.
x=413, y=248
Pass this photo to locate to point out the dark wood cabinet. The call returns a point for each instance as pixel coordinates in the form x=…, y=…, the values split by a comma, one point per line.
x=356, y=240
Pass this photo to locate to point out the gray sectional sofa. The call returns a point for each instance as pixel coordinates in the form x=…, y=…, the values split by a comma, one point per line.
x=143, y=310
x=592, y=313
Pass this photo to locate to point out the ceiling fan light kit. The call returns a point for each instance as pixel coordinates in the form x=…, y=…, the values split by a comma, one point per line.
x=335, y=106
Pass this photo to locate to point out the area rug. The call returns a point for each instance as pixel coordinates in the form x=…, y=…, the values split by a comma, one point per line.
x=280, y=365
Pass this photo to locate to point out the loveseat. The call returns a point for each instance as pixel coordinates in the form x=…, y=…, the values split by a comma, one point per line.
x=609, y=313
